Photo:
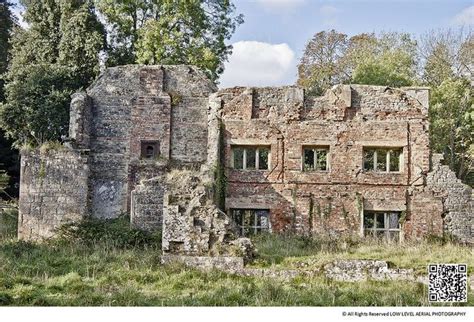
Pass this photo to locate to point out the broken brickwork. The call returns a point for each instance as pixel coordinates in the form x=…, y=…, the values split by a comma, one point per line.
x=162, y=144
x=344, y=123
x=192, y=223
x=457, y=199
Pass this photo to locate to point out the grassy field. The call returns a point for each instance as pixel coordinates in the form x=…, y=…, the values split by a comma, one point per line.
x=113, y=265
x=300, y=252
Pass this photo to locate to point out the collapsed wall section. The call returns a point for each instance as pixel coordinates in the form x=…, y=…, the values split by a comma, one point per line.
x=53, y=191
x=192, y=223
x=188, y=214
x=457, y=199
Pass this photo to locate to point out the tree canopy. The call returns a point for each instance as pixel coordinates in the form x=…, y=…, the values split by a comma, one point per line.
x=8, y=156
x=55, y=56
x=331, y=57
x=171, y=32
x=390, y=59
x=7, y=23
x=452, y=125
x=322, y=64
x=448, y=70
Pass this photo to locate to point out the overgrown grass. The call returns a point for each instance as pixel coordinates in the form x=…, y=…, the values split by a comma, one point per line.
x=8, y=223
x=280, y=251
x=84, y=268
x=81, y=275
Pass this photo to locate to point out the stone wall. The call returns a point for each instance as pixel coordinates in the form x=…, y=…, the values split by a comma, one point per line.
x=124, y=108
x=80, y=120
x=189, y=89
x=457, y=200
x=425, y=213
x=147, y=203
x=53, y=191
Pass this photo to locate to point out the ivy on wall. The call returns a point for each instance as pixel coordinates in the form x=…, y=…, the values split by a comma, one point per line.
x=220, y=179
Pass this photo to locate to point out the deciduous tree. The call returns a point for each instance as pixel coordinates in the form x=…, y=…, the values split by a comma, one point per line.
x=447, y=54
x=330, y=58
x=452, y=125
x=389, y=60
x=55, y=56
x=171, y=32
x=8, y=156
x=322, y=63
x=7, y=23
x=448, y=69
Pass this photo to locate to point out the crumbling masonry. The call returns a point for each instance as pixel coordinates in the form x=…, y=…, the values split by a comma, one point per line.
x=163, y=145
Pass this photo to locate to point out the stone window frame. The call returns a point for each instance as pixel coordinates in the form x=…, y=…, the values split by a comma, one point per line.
x=257, y=156
x=386, y=230
x=387, y=150
x=255, y=227
x=316, y=147
x=144, y=144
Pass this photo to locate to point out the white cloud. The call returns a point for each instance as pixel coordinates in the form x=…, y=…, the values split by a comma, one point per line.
x=328, y=10
x=465, y=17
x=254, y=63
x=280, y=5
x=329, y=15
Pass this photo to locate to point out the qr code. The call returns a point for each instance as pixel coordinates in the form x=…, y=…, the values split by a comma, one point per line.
x=447, y=282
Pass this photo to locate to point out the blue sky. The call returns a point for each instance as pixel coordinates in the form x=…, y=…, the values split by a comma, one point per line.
x=268, y=45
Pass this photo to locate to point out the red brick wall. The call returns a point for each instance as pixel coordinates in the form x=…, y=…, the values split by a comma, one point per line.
x=346, y=119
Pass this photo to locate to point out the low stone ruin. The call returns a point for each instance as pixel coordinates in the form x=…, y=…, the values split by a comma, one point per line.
x=360, y=270
x=194, y=226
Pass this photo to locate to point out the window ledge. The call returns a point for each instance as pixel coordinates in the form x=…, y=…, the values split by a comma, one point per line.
x=247, y=170
x=382, y=173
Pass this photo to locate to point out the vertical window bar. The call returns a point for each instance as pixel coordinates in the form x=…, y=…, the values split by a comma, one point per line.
x=255, y=222
x=375, y=160
x=244, y=167
x=257, y=156
x=315, y=159
x=388, y=161
x=375, y=225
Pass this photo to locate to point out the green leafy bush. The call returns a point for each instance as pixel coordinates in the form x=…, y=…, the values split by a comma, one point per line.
x=115, y=232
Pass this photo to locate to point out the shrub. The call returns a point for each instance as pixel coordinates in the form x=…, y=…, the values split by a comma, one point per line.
x=115, y=232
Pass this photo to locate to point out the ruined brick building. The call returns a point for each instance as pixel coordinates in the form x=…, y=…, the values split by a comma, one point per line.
x=354, y=161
